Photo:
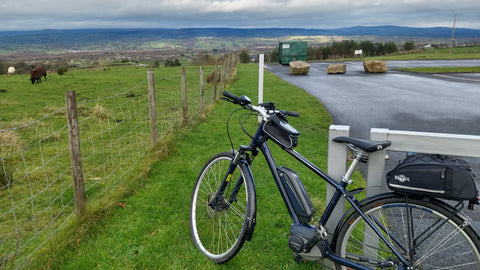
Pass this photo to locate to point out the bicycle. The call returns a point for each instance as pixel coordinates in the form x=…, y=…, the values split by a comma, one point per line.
x=387, y=231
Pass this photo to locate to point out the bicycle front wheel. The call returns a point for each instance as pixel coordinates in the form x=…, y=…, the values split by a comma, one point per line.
x=220, y=233
x=426, y=234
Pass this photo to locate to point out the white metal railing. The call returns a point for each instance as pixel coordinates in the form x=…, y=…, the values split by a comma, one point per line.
x=407, y=141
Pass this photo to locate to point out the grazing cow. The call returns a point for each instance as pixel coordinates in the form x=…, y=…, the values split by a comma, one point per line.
x=212, y=76
x=37, y=73
x=11, y=71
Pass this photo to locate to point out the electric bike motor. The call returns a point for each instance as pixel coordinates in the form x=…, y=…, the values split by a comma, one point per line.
x=306, y=243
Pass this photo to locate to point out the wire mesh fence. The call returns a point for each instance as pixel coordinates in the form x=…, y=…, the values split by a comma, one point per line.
x=36, y=185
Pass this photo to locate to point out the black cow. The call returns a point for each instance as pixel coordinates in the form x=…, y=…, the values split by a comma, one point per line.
x=37, y=73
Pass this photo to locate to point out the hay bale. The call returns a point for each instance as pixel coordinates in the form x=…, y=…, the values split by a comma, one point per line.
x=374, y=66
x=299, y=68
x=337, y=68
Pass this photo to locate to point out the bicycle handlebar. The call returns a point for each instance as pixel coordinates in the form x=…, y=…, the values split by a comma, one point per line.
x=262, y=110
x=235, y=99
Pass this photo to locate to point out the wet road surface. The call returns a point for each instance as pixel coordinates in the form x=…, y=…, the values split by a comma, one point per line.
x=443, y=103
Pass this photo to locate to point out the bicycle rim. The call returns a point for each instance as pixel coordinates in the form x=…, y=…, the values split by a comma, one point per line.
x=220, y=233
x=427, y=235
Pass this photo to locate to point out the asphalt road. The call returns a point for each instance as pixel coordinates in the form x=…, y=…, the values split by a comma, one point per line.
x=395, y=100
x=443, y=103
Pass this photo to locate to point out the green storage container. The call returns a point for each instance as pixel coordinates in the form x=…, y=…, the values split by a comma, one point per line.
x=292, y=51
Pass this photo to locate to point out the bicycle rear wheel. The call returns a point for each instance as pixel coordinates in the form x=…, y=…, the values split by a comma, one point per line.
x=220, y=233
x=427, y=234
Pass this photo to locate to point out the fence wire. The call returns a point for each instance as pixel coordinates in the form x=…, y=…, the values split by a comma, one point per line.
x=36, y=186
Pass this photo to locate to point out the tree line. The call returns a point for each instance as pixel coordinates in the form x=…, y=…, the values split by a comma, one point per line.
x=347, y=48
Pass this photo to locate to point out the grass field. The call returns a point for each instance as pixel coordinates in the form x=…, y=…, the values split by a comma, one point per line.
x=146, y=224
x=443, y=69
x=472, y=52
x=151, y=228
x=35, y=181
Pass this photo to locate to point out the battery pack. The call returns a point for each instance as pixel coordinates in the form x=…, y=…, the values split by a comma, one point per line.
x=297, y=195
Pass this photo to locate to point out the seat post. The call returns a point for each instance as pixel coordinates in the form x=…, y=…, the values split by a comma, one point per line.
x=351, y=169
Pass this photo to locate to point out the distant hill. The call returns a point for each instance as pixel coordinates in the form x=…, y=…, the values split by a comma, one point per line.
x=18, y=41
x=387, y=30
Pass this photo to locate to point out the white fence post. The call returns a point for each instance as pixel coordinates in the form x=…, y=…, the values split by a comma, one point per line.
x=337, y=165
x=376, y=164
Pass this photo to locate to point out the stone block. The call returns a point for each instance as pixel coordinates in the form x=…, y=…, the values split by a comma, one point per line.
x=299, y=68
x=374, y=66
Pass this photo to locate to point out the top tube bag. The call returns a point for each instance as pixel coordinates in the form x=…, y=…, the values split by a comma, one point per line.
x=281, y=132
x=434, y=175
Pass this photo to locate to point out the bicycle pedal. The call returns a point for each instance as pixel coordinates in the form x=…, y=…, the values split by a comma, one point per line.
x=297, y=258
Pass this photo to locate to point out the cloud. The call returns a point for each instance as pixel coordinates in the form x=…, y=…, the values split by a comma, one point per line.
x=67, y=14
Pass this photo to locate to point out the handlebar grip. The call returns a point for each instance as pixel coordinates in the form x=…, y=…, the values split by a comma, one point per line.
x=236, y=99
x=294, y=114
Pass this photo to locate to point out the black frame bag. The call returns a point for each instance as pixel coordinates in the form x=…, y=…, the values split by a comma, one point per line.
x=434, y=175
x=281, y=132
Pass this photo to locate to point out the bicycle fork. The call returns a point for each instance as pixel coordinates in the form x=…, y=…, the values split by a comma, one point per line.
x=219, y=196
x=217, y=202
x=221, y=203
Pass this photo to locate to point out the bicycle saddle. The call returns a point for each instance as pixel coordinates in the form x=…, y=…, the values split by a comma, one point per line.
x=365, y=145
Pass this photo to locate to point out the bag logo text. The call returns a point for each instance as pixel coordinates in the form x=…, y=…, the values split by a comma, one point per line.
x=402, y=178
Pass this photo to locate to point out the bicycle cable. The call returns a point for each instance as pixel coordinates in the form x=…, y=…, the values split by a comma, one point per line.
x=228, y=130
x=245, y=120
x=241, y=122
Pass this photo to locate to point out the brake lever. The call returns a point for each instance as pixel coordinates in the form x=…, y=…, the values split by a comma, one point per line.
x=227, y=99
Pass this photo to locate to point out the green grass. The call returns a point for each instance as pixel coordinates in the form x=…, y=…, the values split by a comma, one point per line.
x=442, y=69
x=151, y=231
x=46, y=142
x=22, y=102
x=472, y=52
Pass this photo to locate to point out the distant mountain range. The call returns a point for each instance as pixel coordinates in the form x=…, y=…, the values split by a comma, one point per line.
x=91, y=38
x=387, y=30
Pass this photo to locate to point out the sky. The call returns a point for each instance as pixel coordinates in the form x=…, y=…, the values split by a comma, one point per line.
x=319, y=14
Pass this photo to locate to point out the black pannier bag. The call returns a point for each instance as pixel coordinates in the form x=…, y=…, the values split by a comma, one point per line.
x=281, y=132
x=434, y=175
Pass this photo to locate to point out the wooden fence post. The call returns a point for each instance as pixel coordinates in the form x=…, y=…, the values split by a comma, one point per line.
x=184, y=96
x=215, y=78
x=75, y=155
x=202, y=91
x=222, y=77
x=151, y=104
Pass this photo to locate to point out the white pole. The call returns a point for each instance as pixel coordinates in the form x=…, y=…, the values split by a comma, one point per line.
x=260, y=81
x=260, y=77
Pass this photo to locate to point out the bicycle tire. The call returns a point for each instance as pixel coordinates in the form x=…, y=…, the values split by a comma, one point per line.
x=439, y=242
x=220, y=234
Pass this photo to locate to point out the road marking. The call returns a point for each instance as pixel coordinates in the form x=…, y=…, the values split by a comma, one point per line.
x=457, y=78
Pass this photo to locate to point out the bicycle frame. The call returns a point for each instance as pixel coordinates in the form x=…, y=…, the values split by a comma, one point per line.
x=259, y=141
